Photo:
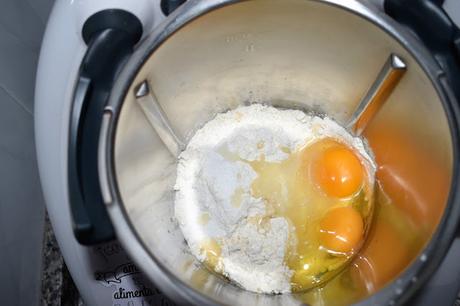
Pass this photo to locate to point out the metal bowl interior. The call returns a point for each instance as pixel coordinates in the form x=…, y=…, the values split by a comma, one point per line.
x=309, y=55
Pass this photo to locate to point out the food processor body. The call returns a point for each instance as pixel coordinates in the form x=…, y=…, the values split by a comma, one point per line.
x=60, y=59
x=316, y=56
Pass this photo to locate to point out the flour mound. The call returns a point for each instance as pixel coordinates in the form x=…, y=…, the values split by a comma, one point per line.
x=214, y=179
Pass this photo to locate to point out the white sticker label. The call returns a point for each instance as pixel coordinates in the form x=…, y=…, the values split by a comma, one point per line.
x=130, y=287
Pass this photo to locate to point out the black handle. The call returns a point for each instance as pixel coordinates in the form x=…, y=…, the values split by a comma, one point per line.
x=435, y=29
x=110, y=36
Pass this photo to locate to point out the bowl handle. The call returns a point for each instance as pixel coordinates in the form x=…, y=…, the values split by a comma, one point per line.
x=110, y=36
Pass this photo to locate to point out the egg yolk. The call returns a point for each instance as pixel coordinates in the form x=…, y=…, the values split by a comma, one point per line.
x=338, y=172
x=341, y=230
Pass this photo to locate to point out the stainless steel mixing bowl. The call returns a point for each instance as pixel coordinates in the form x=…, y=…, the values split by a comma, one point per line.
x=212, y=56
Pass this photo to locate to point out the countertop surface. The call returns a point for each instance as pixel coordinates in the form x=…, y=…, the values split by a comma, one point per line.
x=57, y=286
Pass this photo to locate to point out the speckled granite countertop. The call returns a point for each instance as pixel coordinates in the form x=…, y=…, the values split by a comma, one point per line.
x=58, y=288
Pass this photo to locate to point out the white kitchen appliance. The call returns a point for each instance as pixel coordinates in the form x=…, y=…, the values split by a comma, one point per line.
x=104, y=274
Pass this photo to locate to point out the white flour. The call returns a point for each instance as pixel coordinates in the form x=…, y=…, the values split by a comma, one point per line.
x=212, y=173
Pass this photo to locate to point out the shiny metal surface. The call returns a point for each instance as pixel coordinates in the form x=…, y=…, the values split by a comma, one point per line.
x=102, y=167
x=386, y=81
x=142, y=90
x=319, y=56
x=157, y=118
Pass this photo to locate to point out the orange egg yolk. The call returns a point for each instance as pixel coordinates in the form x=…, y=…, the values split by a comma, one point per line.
x=341, y=230
x=338, y=172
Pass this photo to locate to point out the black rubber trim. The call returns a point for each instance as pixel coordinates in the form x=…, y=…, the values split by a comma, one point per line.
x=168, y=6
x=111, y=36
x=431, y=24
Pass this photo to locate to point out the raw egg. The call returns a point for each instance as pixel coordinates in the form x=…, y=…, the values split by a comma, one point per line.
x=338, y=171
x=324, y=191
x=274, y=195
x=341, y=230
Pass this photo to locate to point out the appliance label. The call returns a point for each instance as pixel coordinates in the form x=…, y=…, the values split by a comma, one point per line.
x=121, y=276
